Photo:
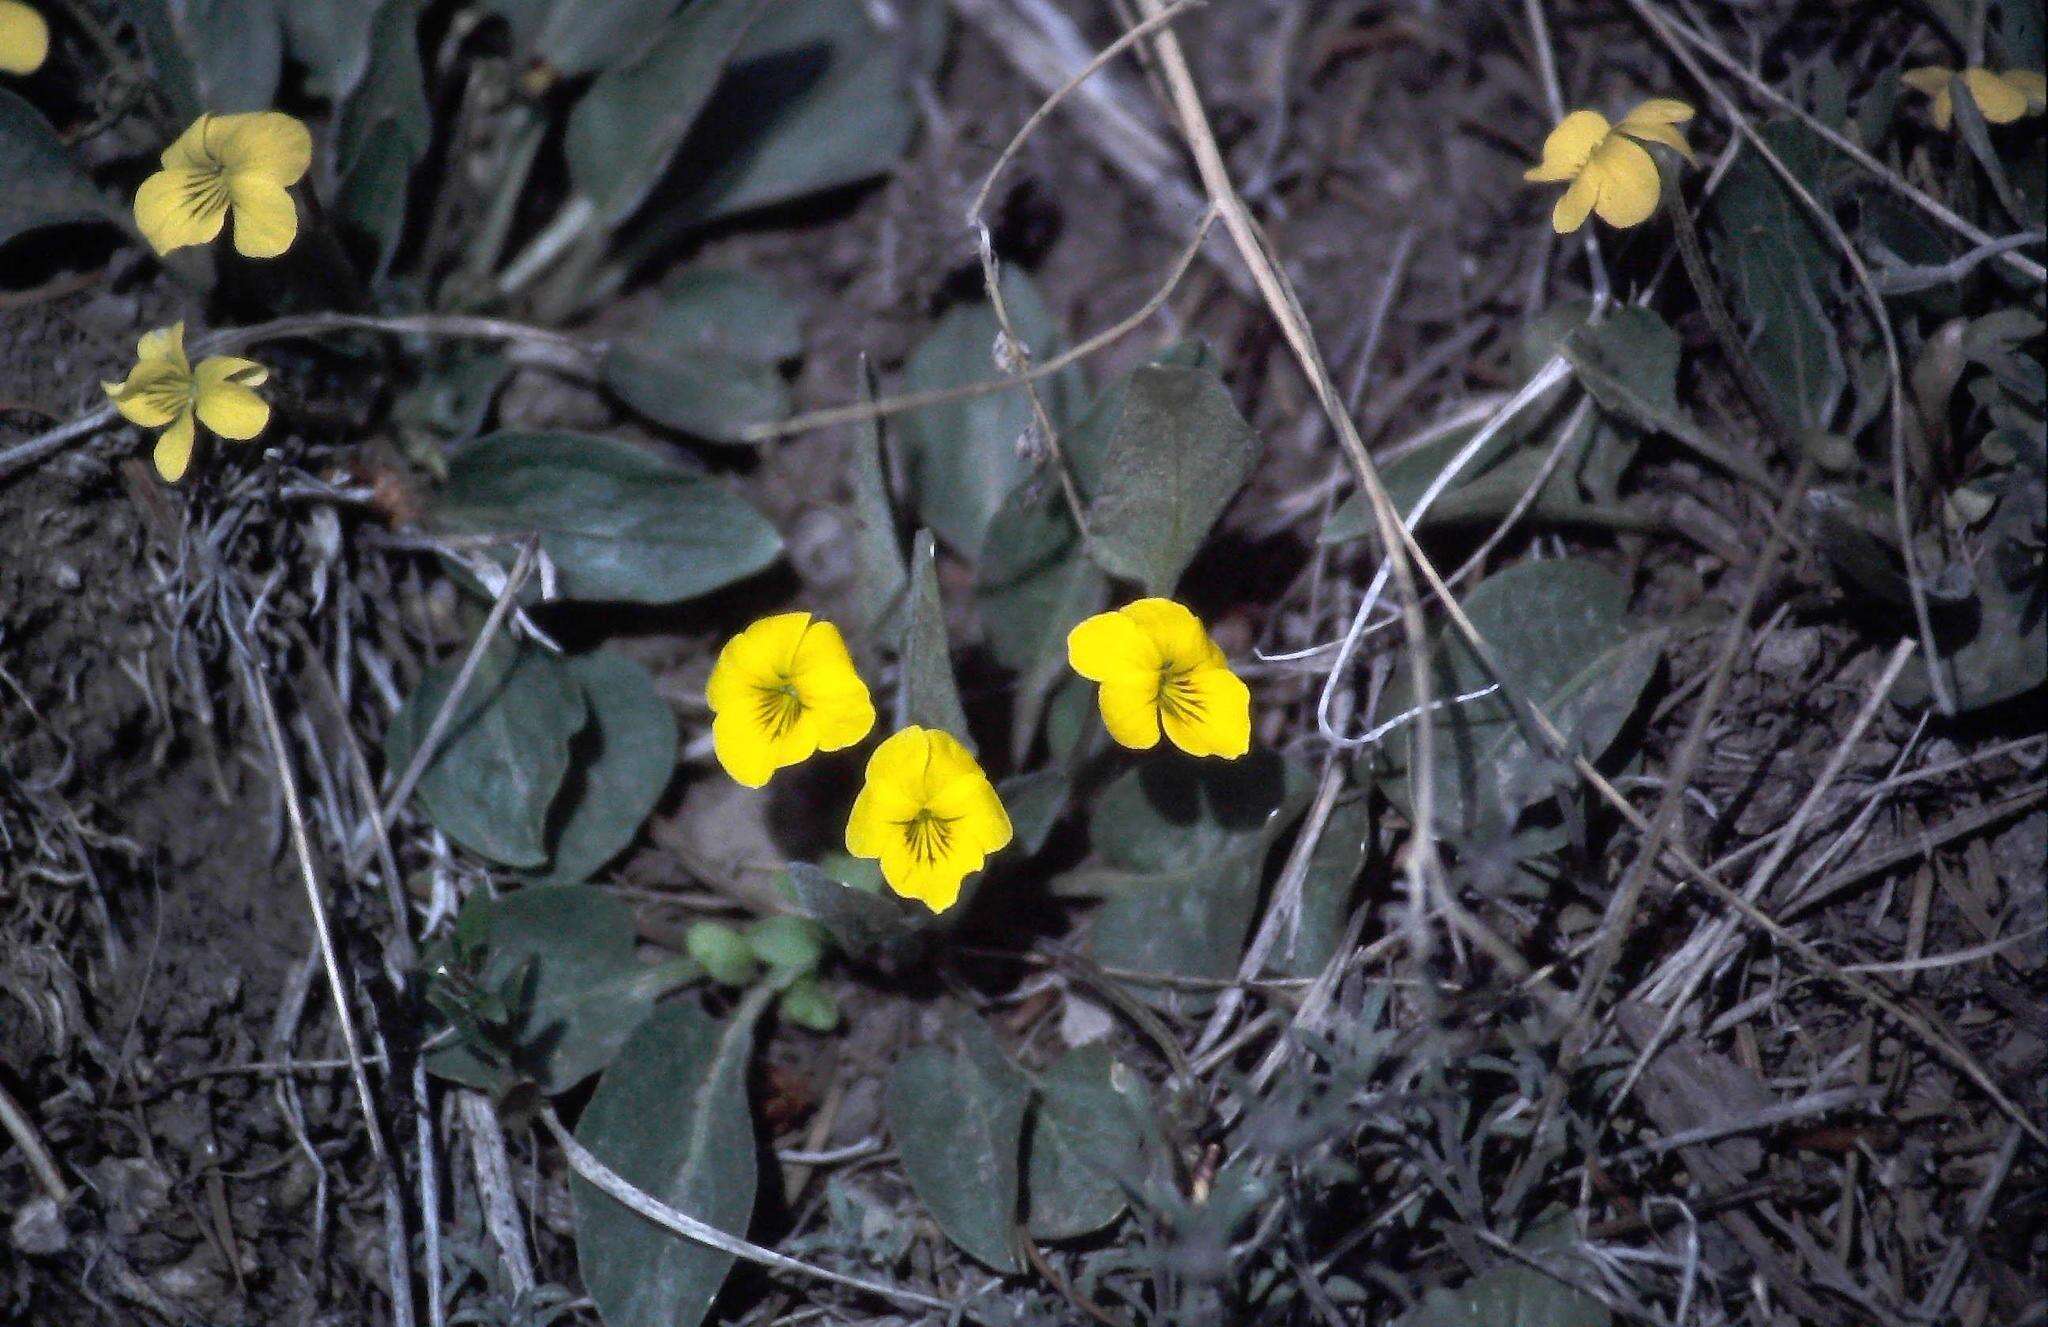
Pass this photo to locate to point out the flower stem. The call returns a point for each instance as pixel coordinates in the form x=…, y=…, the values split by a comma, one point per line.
x=1694, y=258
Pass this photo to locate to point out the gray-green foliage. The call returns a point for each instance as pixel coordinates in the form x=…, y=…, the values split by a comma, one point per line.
x=383, y=130
x=618, y=521
x=1182, y=845
x=547, y=764
x=1561, y=633
x=492, y=781
x=627, y=127
x=868, y=926
x=706, y=362
x=45, y=186
x=967, y=455
x=1082, y=1145
x=1777, y=264
x=931, y=697
x=879, y=571
x=671, y=1118
x=818, y=97
x=1174, y=458
x=958, y=1120
x=559, y=961
x=622, y=759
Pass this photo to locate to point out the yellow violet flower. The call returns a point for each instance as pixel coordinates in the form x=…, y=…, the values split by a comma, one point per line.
x=929, y=814
x=782, y=690
x=1606, y=165
x=1159, y=669
x=2001, y=98
x=228, y=163
x=164, y=391
x=24, y=39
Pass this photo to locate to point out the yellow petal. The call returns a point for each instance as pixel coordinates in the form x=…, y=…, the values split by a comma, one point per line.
x=934, y=884
x=877, y=813
x=266, y=219
x=1175, y=632
x=192, y=150
x=1569, y=147
x=2031, y=84
x=179, y=206
x=1209, y=713
x=831, y=687
x=1628, y=183
x=744, y=748
x=1130, y=710
x=1666, y=134
x=1576, y=203
x=166, y=344
x=24, y=39
x=1111, y=645
x=842, y=719
x=758, y=656
x=1930, y=79
x=1657, y=110
x=174, y=448
x=1935, y=81
x=1997, y=100
x=269, y=144
x=973, y=806
x=225, y=405
x=901, y=761
x=154, y=394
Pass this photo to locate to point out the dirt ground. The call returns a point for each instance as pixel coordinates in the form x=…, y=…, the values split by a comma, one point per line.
x=157, y=961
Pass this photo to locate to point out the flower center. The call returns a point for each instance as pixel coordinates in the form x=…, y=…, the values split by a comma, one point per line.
x=1178, y=698
x=778, y=707
x=173, y=395
x=204, y=189
x=929, y=837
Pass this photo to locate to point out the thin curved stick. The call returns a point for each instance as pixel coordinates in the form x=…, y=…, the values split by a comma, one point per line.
x=584, y=1163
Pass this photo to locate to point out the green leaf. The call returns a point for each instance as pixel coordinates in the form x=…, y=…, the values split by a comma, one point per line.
x=580, y=36
x=790, y=946
x=1082, y=1140
x=809, y=1005
x=1510, y=1295
x=1629, y=362
x=867, y=926
x=218, y=56
x=1562, y=635
x=630, y=123
x=1035, y=801
x=880, y=575
x=930, y=697
x=2005, y=653
x=333, y=39
x=1176, y=457
x=964, y=454
x=817, y=98
x=1326, y=892
x=706, y=363
x=1185, y=845
x=958, y=1121
x=1168, y=815
x=671, y=1118
x=618, y=521
x=624, y=758
x=503, y=756
x=1033, y=581
x=723, y=951
x=45, y=186
x=564, y=954
x=1777, y=265
x=384, y=130
x=176, y=76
